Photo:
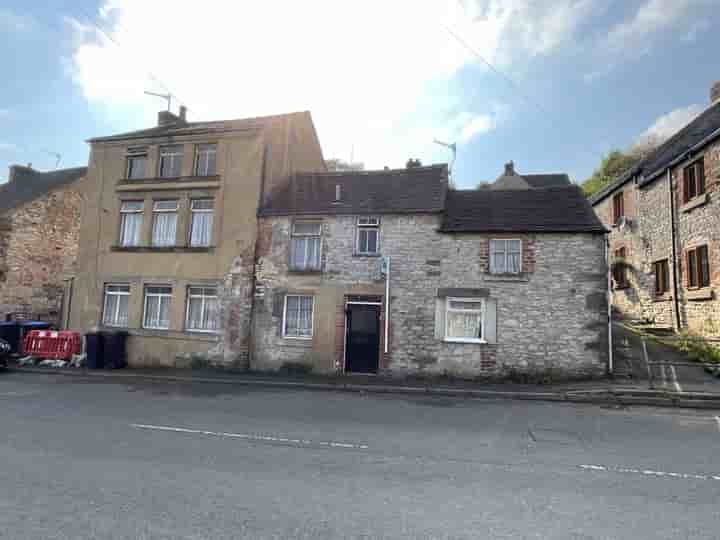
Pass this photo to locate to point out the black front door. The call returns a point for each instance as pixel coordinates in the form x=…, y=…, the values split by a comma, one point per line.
x=362, y=346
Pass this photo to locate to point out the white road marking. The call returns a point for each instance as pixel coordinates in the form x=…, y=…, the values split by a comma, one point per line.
x=650, y=472
x=253, y=437
x=678, y=388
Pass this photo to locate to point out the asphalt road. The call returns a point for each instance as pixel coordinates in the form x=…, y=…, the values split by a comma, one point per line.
x=101, y=459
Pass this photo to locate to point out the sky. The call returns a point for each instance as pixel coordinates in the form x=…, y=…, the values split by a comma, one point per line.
x=551, y=84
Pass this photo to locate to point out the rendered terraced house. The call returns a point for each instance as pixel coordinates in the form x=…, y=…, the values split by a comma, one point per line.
x=167, y=243
x=664, y=216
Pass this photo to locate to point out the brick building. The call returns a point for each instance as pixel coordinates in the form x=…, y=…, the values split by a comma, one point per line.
x=664, y=217
x=481, y=283
x=39, y=229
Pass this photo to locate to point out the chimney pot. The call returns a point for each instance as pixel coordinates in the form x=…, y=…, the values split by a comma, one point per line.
x=715, y=93
x=165, y=118
x=510, y=169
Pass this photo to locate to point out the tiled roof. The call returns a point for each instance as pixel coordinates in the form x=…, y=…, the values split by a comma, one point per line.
x=29, y=184
x=414, y=190
x=191, y=128
x=555, y=209
x=540, y=181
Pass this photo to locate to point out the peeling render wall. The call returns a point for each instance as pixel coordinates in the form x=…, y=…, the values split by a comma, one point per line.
x=550, y=318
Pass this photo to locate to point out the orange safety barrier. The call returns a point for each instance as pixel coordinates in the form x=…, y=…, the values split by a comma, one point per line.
x=52, y=344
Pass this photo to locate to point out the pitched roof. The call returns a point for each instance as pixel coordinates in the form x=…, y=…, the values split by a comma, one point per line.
x=531, y=181
x=555, y=209
x=696, y=132
x=414, y=190
x=29, y=184
x=192, y=128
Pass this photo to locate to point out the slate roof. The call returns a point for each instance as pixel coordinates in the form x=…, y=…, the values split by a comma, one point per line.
x=551, y=210
x=540, y=181
x=396, y=191
x=702, y=127
x=193, y=128
x=30, y=184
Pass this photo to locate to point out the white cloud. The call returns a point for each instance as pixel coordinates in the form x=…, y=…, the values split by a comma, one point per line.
x=668, y=124
x=375, y=74
x=12, y=21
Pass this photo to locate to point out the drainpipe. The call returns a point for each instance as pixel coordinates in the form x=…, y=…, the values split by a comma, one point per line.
x=609, y=304
x=674, y=248
x=387, y=304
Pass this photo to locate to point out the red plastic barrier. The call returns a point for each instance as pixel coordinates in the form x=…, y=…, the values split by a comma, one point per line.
x=52, y=344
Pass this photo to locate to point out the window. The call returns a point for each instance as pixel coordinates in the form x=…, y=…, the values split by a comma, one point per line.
x=620, y=269
x=305, y=249
x=662, y=277
x=157, y=307
x=698, y=267
x=136, y=163
x=115, y=306
x=298, y=317
x=171, y=161
x=205, y=159
x=164, y=223
x=505, y=256
x=201, y=223
x=618, y=206
x=368, y=236
x=694, y=180
x=131, y=218
x=202, y=309
x=464, y=320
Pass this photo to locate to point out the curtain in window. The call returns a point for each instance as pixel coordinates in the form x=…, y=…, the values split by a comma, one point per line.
x=164, y=228
x=513, y=262
x=201, y=234
x=505, y=256
x=130, y=229
x=202, y=310
x=463, y=325
x=116, y=309
x=157, y=311
x=305, y=253
x=298, y=316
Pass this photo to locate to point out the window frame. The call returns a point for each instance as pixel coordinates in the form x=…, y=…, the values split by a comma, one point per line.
x=132, y=154
x=155, y=212
x=618, y=202
x=123, y=213
x=285, y=335
x=696, y=277
x=698, y=182
x=483, y=313
x=189, y=296
x=115, y=293
x=193, y=212
x=294, y=235
x=372, y=224
x=174, y=155
x=199, y=149
x=490, y=256
x=661, y=270
x=159, y=295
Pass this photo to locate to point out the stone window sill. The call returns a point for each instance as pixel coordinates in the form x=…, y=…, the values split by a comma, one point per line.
x=698, y=295
x=665, y=297
x=522, y=278
x=298, y=271
x=621, y=287
x=290, y=341
x=700, y=200
x=168, y=334
x=169, y=249
x=153, y=180
x=367, y=255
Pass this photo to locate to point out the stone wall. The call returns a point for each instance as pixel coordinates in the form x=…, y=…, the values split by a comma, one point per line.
x=38, y=251
x=552, y=317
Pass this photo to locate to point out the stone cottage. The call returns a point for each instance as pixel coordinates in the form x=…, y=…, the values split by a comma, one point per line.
x=664, y=217
x=39, y=231
x=390, y=271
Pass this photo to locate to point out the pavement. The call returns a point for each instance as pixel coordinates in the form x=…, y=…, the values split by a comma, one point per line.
x=106, y=457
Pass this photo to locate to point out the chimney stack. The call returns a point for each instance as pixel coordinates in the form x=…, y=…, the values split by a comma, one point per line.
x=165, y=118
x=183, y=113
x=15, y=170
x=715, y=93
x=510, y=169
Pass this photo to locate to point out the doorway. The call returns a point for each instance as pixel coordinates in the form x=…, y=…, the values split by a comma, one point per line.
x=362, y=339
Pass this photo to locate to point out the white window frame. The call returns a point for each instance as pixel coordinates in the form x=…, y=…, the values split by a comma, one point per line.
x=160, y=295
x=132, y=154
x=123, y=213
x=166, y=152
x=368, y=223
x=490, y=256
x=312, y=317
x=204, y=148
x=294, y=235
x=106, y=292
x=187, y=308
x=483, y=314
x=194, y=211
x=157, y=209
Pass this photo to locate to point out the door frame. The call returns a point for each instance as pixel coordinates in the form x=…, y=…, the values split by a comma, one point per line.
x=345, y=333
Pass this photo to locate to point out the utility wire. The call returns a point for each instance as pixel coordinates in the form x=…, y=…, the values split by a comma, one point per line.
x=507, y=78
